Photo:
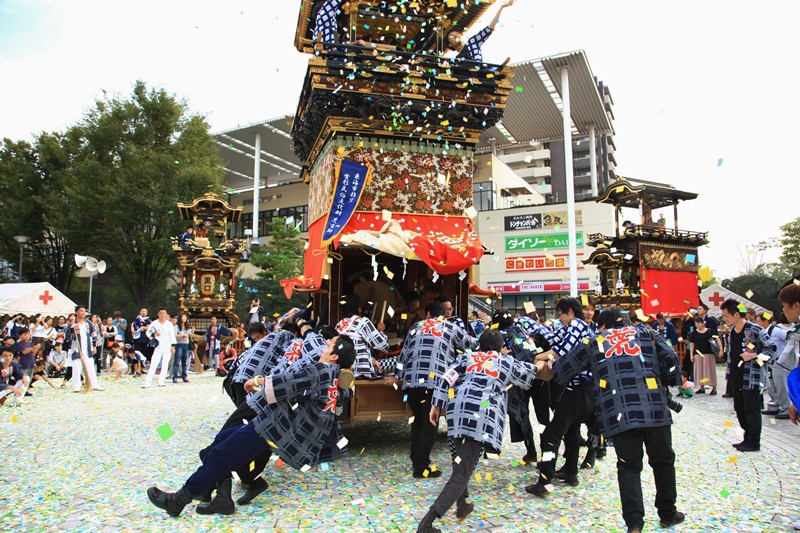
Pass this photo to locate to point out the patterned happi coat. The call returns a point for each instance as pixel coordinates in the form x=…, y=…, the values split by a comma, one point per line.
x=430, y=347
x=479, y=381
x=296, y=414
x=262, y=356
x=366, y=337
x=631, y=368
x=755, y=373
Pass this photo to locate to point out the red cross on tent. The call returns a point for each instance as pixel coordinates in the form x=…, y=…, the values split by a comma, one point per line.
x=45, y=298
x=716, y=299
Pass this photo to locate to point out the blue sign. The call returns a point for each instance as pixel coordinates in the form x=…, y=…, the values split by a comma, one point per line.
x=350, y=181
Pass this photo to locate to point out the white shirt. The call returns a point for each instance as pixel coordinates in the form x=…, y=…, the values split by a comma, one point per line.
x=166, y=332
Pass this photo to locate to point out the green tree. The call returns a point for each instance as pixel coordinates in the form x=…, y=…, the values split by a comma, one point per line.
x=764, y=290
x=790, y=241
x=32, y=188
x=136, y=158
x=281, y=257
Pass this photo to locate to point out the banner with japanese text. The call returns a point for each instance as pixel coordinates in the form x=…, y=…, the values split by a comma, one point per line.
x=350, y=181
x=542, y=242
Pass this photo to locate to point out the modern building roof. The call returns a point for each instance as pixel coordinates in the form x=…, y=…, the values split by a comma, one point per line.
x=278, y=162
x=533, y=110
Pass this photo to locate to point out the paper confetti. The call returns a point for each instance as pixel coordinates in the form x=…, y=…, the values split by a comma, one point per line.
x=704, y=274
x=165, y=432
x=749, y=294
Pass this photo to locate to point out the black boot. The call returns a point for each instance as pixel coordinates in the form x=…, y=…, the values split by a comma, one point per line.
x=206, y=496
x=172, y=502
x=463, y=509
x=258, y=486
x=426, y=524
x=222, y=502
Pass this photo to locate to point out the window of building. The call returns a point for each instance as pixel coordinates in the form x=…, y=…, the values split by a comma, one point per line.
x=483, y=196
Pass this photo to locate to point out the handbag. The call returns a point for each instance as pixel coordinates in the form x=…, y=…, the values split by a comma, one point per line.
x=153, y=343
x=714, y=347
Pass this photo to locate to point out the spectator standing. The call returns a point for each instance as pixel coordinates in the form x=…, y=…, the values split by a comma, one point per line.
x=162, y=330
x=703, y=356
x=213, y=334
x=138, y=329
x=122, y=326
x=109, y=331
x=477, y=324
x=99, y=342
x=27, y=354
x=711, y=322
x=256, y=311
x=183, y=333
x=83, y=335
x=38, y=330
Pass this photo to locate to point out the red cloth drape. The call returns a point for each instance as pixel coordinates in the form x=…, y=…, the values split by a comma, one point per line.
x=447, y=244
x=668, y=291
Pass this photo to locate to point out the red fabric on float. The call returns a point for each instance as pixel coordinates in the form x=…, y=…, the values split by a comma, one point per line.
x=447, y=244
x=313, y=264
x=674, y=291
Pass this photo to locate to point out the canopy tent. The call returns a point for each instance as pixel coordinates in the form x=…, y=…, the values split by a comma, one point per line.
x=31, y=298
x=714, y=295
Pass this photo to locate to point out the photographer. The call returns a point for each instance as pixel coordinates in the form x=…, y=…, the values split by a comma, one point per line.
x=632, y=369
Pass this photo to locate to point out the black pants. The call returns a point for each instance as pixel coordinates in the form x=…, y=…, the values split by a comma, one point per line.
x=628, y=446
x=688, y=366
x=259, y=463
x=575, y=408
x=423, y=433
x=539, y=394
x=458, y=485
x=747, y=404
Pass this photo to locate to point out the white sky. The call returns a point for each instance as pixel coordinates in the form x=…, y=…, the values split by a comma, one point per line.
x=692, y=82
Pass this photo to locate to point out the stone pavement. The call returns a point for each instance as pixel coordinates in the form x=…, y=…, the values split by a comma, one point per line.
x=82, y=462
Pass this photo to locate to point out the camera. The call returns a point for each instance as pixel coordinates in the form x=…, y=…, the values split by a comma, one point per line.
x=674, y=404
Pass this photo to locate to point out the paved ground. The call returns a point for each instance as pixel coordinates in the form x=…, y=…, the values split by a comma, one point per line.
x=88, y=459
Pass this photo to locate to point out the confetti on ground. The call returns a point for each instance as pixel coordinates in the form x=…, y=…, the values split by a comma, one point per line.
x=164, y=432
x=382, y=496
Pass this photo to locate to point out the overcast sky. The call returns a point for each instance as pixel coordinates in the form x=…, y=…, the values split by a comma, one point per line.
x=693, y=82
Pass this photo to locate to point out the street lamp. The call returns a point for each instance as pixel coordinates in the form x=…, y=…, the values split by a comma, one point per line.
x=92, y=265
x=21, y=240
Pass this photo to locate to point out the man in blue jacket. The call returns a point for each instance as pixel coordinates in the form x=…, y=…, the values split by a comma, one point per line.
x=631, y=370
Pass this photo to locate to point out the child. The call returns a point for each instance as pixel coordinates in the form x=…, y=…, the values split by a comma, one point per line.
x=686, y=388
x=134, y=360
x=118, y=365
x=476, y=388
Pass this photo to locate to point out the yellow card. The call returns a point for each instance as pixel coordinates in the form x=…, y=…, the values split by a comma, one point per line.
x=704, y=274
x=488, y=476
x=651, y=383
x=478, y=477
x=728, y=424
x=252, y=465
x=451, y=393
x=584, y=300
x=767, y=316
x=495, y=326
x=404, y=316
x=603, y=384
x=732, y=459
x=704, y=380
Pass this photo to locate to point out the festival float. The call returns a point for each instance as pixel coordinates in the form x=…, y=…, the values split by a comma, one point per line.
x=647, y=265
x=386, y=128
x=208, y=264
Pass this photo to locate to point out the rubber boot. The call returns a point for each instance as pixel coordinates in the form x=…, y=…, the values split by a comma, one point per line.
x=172, y=502
x=426, y=524
x=222, y=503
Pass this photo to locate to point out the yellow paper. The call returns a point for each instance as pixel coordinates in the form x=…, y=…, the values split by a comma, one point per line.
x=404, y=316
x=478, y=477
x=732, y=459
x=767, y=316
x=252, y=465
x=584, y=300
x=728, y=424
x=651, y=383
x=603, y=384
x=704, y=379
x=488, y=476
x=451, y=393
x=425, y=473
x=704, y=274
x=494, y=326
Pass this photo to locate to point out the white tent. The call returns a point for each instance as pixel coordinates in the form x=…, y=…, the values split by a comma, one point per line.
x=32, y=298
x=714, y=295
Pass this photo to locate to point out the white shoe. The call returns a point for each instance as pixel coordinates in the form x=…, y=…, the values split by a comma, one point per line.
x=98, y=389
x=145, y=386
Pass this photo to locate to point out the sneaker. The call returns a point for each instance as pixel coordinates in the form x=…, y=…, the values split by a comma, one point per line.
x=174, y=380
x=726, y=395
x=27, y=393
x=537, y=489
x=739, y=444
x=782, y=416
x=186, y=380
x=769, y=412
x=677, y=519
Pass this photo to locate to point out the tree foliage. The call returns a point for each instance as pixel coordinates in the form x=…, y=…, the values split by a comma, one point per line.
x=134, y=159
x=764, y=290
x=790, y=241
x=282, y=256
x=32, y=180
